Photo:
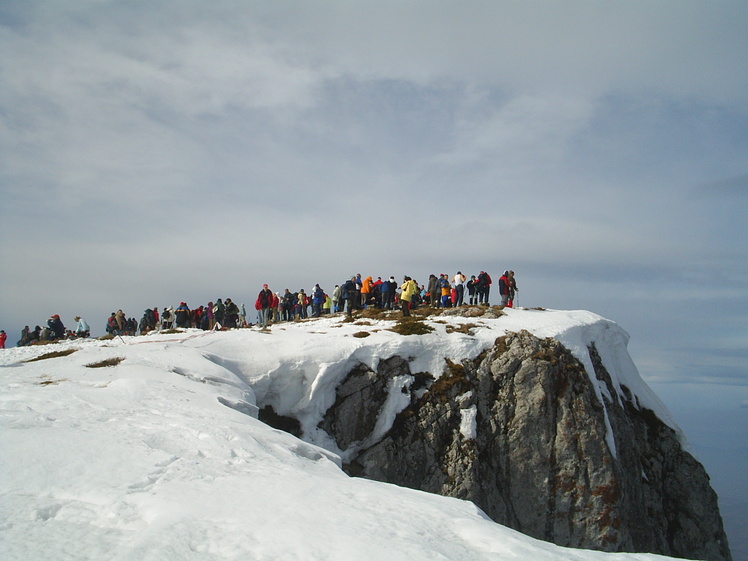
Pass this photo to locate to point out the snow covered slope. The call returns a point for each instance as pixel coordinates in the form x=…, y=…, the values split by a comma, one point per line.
x=160, y=456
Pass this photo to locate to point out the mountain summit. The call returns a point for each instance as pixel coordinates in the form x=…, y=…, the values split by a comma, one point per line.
x=149, y=446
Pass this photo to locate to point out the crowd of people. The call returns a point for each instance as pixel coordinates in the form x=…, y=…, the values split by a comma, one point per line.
x=353, y=294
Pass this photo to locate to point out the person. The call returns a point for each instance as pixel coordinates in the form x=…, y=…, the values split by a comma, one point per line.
x=3, y=337
x=243, y=315
x=434, y=291
x=111, y=325
x=231, y=313
x=504, y=288
x=219, y=311
x=24, y=340
x=459, y=285
x=167, y=318
x=35, y=335
x=408, y=290
x=145, y=321
x=446, y=290
x=182, y=315
x=318, y=298
x=349, y=295
x=264, y=304
x=366, y=291
x=119, y=317
x=359, y=284
x=484, y=287
x=287, y=305
x=56, y=327
x=389, y=299
x=471, y=287
x=512, y=289
x=336, y=297
x=302, y=303
x=204, y=318
x=327, y=305
x=81, y=328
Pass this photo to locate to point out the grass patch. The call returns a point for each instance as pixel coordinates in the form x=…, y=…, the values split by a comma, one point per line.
x=49, y=382
x=55, y=354
x=374, y=313
x=427, y=311
x=114, y=361
x=465, y=328
x=361, y=334
x=452, y=383
x=411, y=326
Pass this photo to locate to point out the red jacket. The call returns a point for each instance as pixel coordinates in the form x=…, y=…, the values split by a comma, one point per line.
x=503, y=285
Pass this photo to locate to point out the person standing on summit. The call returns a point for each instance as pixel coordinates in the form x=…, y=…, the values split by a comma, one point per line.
x=504, y=288
x=408, y=288
x=459, y=284
x=512, y=289
x=263, y=305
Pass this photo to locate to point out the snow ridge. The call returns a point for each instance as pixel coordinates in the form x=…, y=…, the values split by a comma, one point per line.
x=161, y=457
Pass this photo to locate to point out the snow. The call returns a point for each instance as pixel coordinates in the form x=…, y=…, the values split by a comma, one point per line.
x=162, y=457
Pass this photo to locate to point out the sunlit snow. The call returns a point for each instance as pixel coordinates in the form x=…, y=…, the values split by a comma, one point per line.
x=160, y=457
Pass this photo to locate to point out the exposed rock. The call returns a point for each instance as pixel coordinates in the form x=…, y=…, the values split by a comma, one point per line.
x=538, y=453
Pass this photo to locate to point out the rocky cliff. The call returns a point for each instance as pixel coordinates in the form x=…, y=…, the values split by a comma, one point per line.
x=541, y=444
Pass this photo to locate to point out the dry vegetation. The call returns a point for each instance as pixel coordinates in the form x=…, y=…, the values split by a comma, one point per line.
x=114, y=361
x=55, y=354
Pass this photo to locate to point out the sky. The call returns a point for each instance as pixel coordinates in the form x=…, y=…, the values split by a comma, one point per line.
x=164, y=457
x=178, y=150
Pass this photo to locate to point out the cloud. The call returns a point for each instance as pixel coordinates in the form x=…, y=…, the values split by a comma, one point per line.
x=151, y=152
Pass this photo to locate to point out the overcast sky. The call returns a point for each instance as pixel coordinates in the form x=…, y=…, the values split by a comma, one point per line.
x=153, y=152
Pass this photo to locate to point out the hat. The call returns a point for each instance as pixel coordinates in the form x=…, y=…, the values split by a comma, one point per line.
x=264, y=286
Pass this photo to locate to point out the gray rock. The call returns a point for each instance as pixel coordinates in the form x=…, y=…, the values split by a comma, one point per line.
x=540, y=461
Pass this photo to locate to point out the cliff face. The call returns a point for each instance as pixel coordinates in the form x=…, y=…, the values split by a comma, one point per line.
x=522, y=432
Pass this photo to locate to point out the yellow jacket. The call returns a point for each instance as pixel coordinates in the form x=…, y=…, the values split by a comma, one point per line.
x=408, y=288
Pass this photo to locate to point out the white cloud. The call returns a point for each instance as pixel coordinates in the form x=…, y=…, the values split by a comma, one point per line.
x=196, y=147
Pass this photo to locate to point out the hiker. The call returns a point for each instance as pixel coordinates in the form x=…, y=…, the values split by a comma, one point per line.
x=336, y=297
x=446, y=291
x=167, y=318
x=366, y=291
x=145, y=321
x=408, y=290
x=81, y=328
x=182, y=315
x=56, y=327
x=431, y=289
x=504, y=288
x=3, y=337
x=231, y=314
x=389, y=299
x=263, y=305
x=472, y=289
x=318, y=298
x=459, y=285
x=484, y=287
x=512, y=289
x=349, y=295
